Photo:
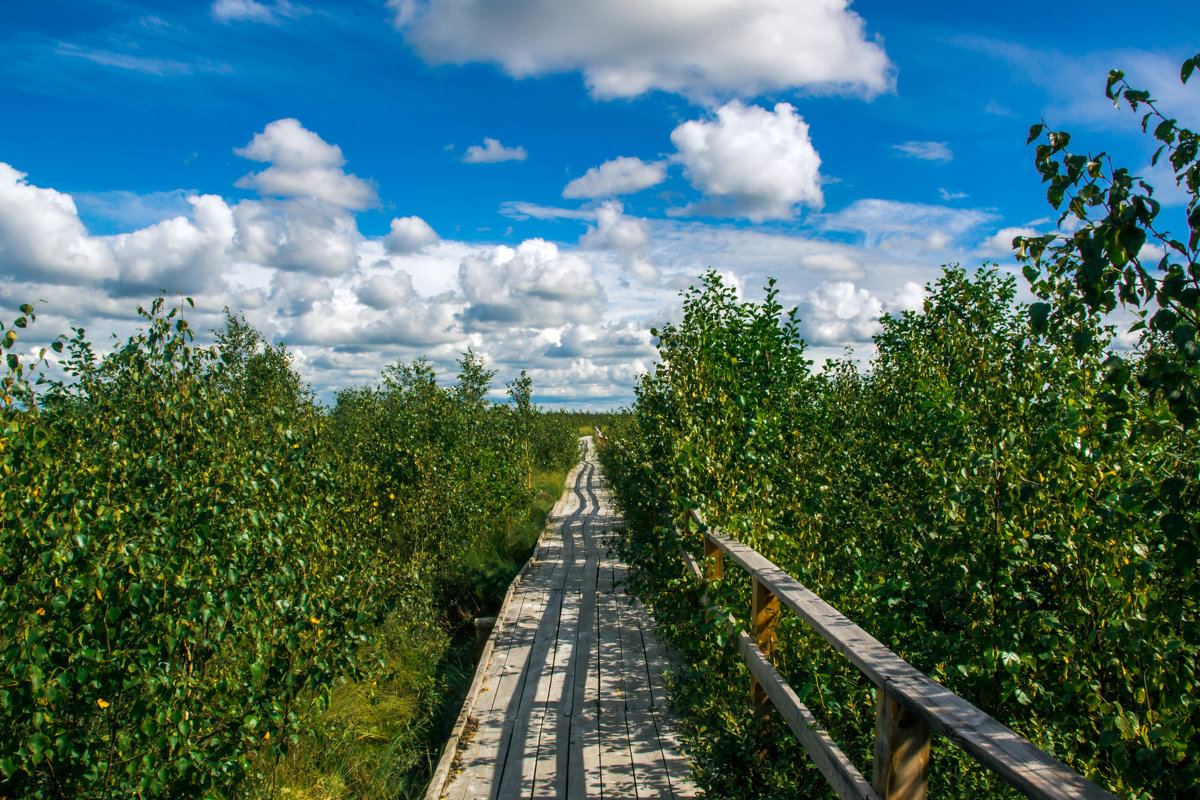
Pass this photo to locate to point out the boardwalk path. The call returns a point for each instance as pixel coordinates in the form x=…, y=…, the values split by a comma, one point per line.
x=570, y=701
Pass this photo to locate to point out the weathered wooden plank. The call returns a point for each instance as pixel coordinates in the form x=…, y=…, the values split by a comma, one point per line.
x=551, y=767
x=636, y=672
x=715, y=558
x=549, y=781
x=586, y=690
x=507, y=745
x=528, y=702
x=645, y=749
x=558, y=686
x=901, y=752
x=1015, y=760
x=506, y=625
x=611, y=661
x=658, y=661
x=635, y=679
x=441, y=773
x=539, y=669
x=583, y=769
x=521, y=758
x=843, y=777
x=677, y=766
x=508, y=681
x=482, y=761
x=616, y=763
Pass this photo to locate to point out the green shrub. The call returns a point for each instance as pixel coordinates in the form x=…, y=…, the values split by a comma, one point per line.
x=966, y=500
x=194, y=553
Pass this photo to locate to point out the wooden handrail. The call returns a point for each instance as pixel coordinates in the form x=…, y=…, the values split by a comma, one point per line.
x=910, y=703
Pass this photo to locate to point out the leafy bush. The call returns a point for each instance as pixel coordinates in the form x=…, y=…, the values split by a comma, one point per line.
x=965, y=500
x=193, y=552
x=1001, y=498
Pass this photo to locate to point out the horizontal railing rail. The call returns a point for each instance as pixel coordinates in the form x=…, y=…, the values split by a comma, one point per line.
x=909, y=704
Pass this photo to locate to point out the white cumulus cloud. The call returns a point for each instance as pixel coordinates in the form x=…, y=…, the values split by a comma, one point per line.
x=833, y=263
x=42, y=238
x=302, y=165
x=909, y=297
x=297, y=236
x=533, y=285
x=840, y=313
x=178, y=254
x=628, y=47
x=758, y=164
x=386, y=291
x=623, y=175
x=408, y=235
x=295, y=294
x=1000, y=242
x=628, y=236
x=492, y=151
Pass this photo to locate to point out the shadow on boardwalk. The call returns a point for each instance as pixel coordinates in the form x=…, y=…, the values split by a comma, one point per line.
x=571, y=700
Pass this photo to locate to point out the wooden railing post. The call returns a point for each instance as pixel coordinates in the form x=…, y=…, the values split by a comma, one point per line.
x=764, y=616
x=901, y=751
x=714, y=558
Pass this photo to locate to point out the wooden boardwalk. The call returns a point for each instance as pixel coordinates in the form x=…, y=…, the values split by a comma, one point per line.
x=569, y=700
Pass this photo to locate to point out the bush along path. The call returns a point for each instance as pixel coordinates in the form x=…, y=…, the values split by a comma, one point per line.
x=966, y=501
x=194, y=553
x=1004, y=497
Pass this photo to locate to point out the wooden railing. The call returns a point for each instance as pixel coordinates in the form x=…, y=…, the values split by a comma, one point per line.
x=909, y=704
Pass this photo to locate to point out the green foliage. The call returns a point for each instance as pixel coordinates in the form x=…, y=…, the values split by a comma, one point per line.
x=193, y=553
x=1106, y=262
x=381, y=735
x=967, y=501
x=166, y=598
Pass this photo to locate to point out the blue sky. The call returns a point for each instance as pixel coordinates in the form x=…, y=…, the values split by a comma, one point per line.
x=370, y=181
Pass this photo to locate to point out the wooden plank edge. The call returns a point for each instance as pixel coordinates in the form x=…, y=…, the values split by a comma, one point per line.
x=441, y=773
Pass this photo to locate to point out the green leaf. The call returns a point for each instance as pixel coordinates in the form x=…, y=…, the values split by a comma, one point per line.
x=1186, y=70
x=1164, y=320
x=1165, y=131
x=1035, y=131
x=1039, y=315
x=1114, y=77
